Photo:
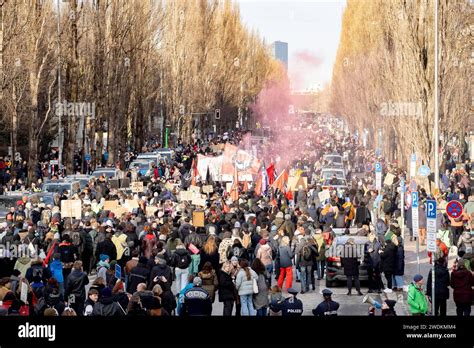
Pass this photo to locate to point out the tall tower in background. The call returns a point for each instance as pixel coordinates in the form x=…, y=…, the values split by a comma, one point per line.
x=280, y=52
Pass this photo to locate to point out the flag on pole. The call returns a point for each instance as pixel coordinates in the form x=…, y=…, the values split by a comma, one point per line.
x=281, y=181
x=259, y=184
x=234, y=192
x=271, y=173
x=194, y=172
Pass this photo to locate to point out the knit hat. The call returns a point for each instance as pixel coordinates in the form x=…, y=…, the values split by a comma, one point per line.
x=263, y=241
x=417, y=278
x=390, y=303
x=234, y=258
x=143, y=260
x=197, y=281
x=279, y=215
x=106, y=292
x=103, y=257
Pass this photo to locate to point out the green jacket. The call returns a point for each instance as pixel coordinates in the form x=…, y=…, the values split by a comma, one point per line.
x=417, y=300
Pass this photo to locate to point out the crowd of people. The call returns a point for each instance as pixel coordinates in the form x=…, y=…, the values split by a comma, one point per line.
x=246, y=254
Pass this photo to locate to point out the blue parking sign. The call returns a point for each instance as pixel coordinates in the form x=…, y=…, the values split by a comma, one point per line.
x=378, y=167
x=431, y=209
x=414, y=199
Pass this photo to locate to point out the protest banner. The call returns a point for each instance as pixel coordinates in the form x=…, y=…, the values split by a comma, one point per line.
x=71, y=208
x=131, y=204
x=119, y=211
x=186, y=195
x=199, y=201
x=198, y=219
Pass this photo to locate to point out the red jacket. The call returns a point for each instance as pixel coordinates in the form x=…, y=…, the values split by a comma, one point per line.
x=462, y=282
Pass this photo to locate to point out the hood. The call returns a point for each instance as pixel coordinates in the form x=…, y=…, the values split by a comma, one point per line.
x=203, y=275
x=24, y=260
x=106, y=300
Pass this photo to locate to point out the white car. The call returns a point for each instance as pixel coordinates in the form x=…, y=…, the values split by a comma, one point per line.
x=328, y=173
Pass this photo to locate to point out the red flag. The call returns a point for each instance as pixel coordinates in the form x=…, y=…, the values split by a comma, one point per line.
x=274, y=202
x=280, y=182
x=194, y=172
x=234, y=192
x=271, y=173
x=258, y=185
x=289, y=195
x=50, y=253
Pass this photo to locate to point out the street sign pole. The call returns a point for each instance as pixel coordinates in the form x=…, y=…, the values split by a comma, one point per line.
x=431, y=244
x=378, y=176
x=402, y=206
x=415, y=221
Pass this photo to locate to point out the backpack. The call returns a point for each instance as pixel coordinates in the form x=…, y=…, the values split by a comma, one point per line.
x=182, y=261
x=387, y=207
x=38, y=273
x=306, y=253
x=247, y=240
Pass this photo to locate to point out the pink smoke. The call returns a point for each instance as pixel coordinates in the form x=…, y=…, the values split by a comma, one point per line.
x=303, y=65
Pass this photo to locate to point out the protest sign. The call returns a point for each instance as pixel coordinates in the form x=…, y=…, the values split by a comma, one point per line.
x=114, y=183
x=71, y=208
x=150, y=211
x=194, y=188
x=323, y=195
x=389, y=179
x=198, y=218
x=131, y=204
x=125, y=183
x=207, y=189
x=294, y=182
x=137, y=186
x=119, y=211
x=110, y=205
x=199, y=201
x=186, y=195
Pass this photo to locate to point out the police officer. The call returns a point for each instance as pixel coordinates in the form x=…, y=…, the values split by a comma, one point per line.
x=290, y=307
x=197, y=300
x=328, y=306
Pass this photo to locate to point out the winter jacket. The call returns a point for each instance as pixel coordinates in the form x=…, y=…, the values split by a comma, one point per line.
x=106, y=247
x=245, y=286
x=223, y=248
x=106, y=307
x=286, y=256
x=196, y=302
x=441, y=283
x=76, y=284
x=212, y=258
x=139, y=274
x=148, y=243
x=22, y=265
x=388, y=257
x=181, y=259
x=226, y=287
x=56, y=268
x=350, y=264
x=209, y=283
x=260, y=300
x=159, y=270
x=462, y=282
x=417, y=300
x=399, y=261
x=264, y=253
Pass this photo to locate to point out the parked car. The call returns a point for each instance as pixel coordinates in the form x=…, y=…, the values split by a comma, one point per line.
x=6, y=202
x=334, y=269
x=59, y=186
x=327, y=173
x=108, y=173
x=82, y=178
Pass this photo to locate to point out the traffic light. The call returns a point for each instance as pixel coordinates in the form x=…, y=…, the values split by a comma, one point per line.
x=217, y=114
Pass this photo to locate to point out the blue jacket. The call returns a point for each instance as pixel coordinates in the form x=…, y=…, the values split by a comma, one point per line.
x=56, y=268
x=196, y=302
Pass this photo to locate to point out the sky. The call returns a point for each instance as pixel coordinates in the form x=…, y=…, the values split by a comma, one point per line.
x=310, y=27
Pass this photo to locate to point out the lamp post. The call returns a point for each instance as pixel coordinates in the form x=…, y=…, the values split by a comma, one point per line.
x=436, y=111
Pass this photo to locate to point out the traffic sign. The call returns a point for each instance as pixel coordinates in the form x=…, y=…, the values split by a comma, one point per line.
x=413, y=185
x=424, y=171
x=454, y=209
x=431, y=209
x=431, y=225
x=378, y=167
x=369, y=167
x=414, y=213
x=87, y=157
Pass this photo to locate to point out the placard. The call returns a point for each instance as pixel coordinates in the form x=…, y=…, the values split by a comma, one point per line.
x=119, y=211
x=198, y=218
x=207, y=189
x=114, y=183
x=194, y=188
x=125, y=183
x=324, y=195
x=389, y=179
x=199, y=201
x=150, y=211
x=71, y=208
x=137, y=186
x=294, y=182
x=24, y=292
x=130, y=204
x=110, y=205
x=186, y=195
